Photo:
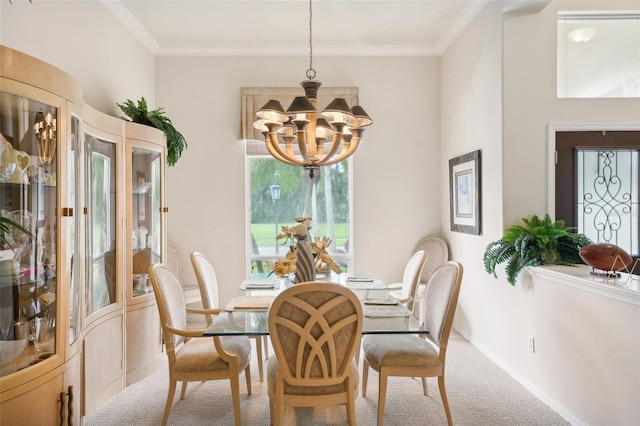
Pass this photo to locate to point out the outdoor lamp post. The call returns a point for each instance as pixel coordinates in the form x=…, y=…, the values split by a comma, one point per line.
x=276, y=191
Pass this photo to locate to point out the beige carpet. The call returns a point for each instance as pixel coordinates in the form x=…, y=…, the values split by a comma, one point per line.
x=480, y=393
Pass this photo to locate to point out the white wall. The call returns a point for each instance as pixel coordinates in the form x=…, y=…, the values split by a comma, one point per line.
x=396, y=166
x=86, y=41
x=511, y=59
x=472, y=119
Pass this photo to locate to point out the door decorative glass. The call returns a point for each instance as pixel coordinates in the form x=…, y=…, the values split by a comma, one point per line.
x=608, y=196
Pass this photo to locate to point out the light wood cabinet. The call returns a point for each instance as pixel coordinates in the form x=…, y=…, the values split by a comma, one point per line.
x=37, y=354
x=75, y=306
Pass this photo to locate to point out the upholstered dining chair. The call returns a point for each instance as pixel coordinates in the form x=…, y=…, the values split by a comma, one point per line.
x=437, y=253
x=208, y=284
x=174, y=261
x=314, y=329
x=406, y=290
x=191, y=356
x=412, y=356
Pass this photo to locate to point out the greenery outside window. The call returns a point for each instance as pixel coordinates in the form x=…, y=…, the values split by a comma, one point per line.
x=326, y=199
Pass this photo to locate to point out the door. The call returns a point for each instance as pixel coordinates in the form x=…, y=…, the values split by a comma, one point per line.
x=597, y=185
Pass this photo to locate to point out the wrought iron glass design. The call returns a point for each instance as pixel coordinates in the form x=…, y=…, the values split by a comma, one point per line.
x=608, y=196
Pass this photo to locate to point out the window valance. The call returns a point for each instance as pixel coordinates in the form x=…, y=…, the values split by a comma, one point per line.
x=255, y=97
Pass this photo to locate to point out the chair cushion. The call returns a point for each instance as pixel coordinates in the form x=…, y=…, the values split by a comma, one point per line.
x=272, y=369
x=199, y=354
x=400, y=350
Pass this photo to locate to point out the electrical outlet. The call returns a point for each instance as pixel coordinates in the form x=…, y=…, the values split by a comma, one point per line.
x=532, y=344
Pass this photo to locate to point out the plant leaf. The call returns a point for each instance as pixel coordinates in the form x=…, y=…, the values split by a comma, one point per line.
x=534, y=242
x=176, y=143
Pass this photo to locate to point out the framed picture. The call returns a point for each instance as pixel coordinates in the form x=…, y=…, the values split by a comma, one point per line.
x=465, y=194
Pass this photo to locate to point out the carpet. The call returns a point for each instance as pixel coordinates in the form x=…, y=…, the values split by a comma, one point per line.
x=480, y=393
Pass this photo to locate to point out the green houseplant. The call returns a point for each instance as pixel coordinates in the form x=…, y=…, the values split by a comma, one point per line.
x=139, y=113
x=535, y=242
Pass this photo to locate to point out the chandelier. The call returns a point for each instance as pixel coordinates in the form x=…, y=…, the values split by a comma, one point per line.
x=322, y=139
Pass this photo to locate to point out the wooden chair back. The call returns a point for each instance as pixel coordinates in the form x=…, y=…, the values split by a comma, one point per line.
x=171, y=306
x=207, y=281
x=315, y=329
x=411, y=277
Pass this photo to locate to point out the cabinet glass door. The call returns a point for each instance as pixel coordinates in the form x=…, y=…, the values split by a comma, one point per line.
x=101, y=229
x=74, y=185
x=146, y=221
x=28, y=228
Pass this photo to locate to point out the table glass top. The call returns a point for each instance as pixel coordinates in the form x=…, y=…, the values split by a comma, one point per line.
x=246, y=314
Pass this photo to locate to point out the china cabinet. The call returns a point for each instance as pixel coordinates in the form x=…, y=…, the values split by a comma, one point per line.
x=40, y=350
x=84, y=192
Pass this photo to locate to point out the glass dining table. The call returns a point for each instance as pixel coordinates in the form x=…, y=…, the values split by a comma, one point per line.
x=247, y=312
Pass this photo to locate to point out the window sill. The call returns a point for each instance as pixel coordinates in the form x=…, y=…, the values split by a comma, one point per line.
x=625, y=289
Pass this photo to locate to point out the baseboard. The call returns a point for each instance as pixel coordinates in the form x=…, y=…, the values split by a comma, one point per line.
x=539, y=393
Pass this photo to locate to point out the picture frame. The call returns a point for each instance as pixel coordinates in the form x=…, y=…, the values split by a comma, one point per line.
x=465, y=193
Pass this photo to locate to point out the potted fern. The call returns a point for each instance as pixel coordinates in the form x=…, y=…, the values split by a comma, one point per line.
x=139, y=113
x=535, y=242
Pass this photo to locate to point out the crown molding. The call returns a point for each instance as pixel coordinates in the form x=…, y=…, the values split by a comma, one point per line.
x=140, y=32
x=132, y=24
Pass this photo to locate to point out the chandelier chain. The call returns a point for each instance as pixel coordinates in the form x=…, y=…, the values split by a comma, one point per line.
x=311, y=73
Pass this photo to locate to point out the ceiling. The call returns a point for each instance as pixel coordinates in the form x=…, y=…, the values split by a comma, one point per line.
x=281, y=27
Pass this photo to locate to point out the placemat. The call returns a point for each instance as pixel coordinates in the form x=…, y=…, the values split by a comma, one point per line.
x=372, y=311
x=249, y=303
x=260, y=284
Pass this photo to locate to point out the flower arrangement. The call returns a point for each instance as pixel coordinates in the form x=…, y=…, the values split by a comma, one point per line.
x=296, y=235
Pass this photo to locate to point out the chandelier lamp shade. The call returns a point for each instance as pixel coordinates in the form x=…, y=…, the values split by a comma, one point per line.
x=322, y=139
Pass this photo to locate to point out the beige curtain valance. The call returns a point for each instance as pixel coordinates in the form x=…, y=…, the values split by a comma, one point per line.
x=255, y=97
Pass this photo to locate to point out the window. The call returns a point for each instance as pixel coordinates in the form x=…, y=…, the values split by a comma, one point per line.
x=325, y=198
x=597, y=186
x=598, y=55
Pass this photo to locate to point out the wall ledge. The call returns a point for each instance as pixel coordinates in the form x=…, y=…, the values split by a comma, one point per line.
x=625, y=289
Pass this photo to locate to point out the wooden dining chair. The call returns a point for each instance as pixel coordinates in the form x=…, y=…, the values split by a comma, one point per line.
x=405, y=291
x=413, y=356
x=314, y=329
x=208, y=284
x=191, y=356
